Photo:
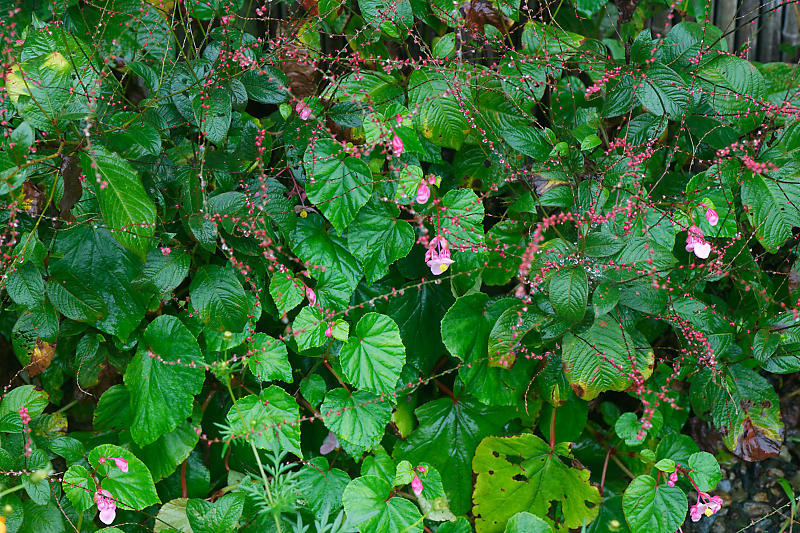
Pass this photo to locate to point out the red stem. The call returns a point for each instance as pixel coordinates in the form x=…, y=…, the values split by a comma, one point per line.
x=553, y=430
x=184, y=491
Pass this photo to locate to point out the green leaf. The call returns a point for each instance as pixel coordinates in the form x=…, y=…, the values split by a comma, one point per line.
x=25, y=285
x=378, y=238
x=605, y=298
x=569, y=293
x=732, y=85
x=368, y=504
x=129, y=213
x=309, y=327
x=592, y=360
x=337, y=183
x=170, y=518
x=219, y=299
x=704, y=470
x=161, y=393
x=79, y=487
x=133, y=489
x=164, y=455
x=286, y=291
x=436, y=99
x=447, y=436
x=165, y=272
x=524, y=522
x=268, y=359
x=465, y=332
x=212, y=114
x=266, y=85
x=523, y=474
x=266, y=420
x=337, y=272
x=650, y=508
x=663, y=92
x=90, y=281
x=321, y=485
x=221, y=516
x=509, y=331
x=462, y=219
x=374, y=356
x=357, y=418
x=770, y=202
x=113, y=411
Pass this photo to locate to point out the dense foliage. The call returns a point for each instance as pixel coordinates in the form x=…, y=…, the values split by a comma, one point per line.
x=388, y=266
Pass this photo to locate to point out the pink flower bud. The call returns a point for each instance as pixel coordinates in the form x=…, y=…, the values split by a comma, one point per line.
x=423, y=193
x=328, y=332
x=416, y=485
x=397, y=145
x=311, y=296
x=712, y=217
x=121, y=463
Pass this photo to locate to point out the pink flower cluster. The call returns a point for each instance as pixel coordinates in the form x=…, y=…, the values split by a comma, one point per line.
x=673, y=478
x=23, y=414
x=438, y=255
x=708, y=506
x=695, y=242
x=106, y=506
x=303, y=109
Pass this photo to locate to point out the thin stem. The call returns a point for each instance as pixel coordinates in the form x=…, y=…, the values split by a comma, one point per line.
x=12, y=489
x=266, y=486
x=69, y=406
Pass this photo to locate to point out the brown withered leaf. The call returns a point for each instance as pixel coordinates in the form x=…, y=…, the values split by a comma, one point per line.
x=33, y=199
x=41, y=357
x=296, y=62
x=479, y=13
x=754, y=445
x=626, y=9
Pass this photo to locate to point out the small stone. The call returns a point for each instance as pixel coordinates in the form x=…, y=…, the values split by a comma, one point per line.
x=754, y=509
x=760, y=497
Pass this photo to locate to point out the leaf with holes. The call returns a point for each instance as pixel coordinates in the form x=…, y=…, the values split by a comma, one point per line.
x=523, y=474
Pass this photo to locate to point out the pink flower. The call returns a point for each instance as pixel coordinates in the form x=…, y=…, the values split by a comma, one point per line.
x=106, y=506
x=121, y=463
x=673, y=478
x=398, y=119
x=24, y=416
x=328, y=332
x=438, y=255
x=695, y=242
x=311, y=296
x=712, y=217
x=303, y=109
x=416, y=485
x=166, y=251
x=708, y=506
x=329, y=444
x=423, y=193
x=397, y=145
